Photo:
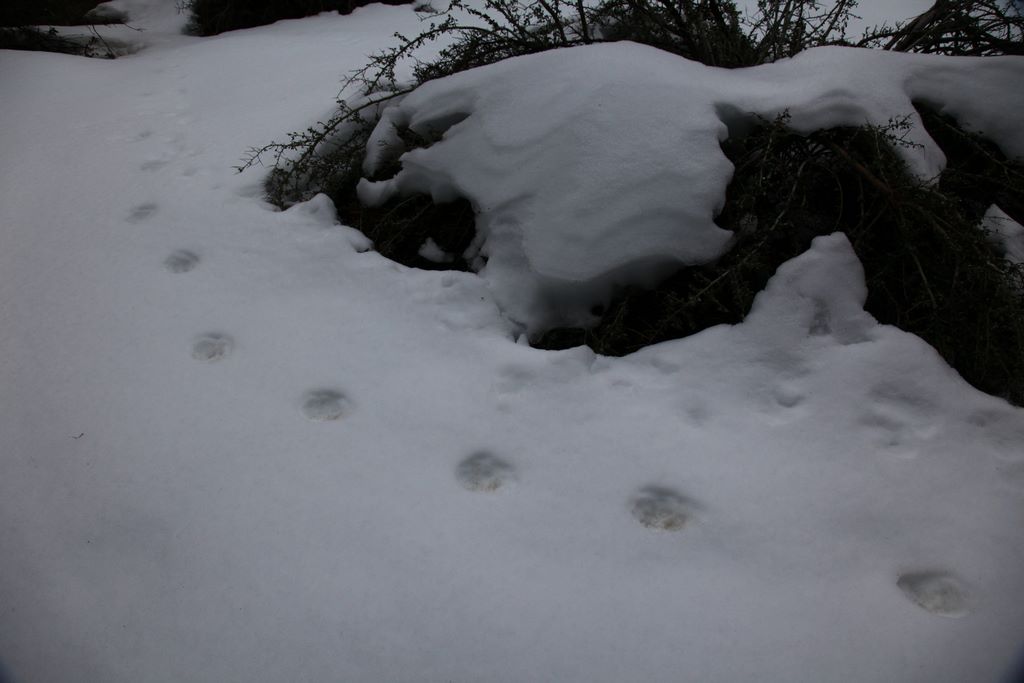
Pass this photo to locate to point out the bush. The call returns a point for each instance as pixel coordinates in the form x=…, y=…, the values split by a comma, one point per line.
x=19, y=13
x=22, y=25
x=328, y=155
x=930, y=267
x=210, y=17
x=713, y=32
x=972, y=28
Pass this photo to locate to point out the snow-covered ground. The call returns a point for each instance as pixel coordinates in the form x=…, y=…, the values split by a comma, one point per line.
x=237, y=446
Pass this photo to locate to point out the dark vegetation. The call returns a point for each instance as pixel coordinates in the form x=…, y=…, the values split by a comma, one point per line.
x=930, y=267
x=28, y=25
x=45, y=12
x=210, y=17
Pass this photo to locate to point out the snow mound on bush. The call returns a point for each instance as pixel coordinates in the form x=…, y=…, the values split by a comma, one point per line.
x=573, y=203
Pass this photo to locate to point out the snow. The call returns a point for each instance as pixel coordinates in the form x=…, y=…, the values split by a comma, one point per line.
x=238, y=445
x=432, y=252
x=599, y=166
x=1008, y=233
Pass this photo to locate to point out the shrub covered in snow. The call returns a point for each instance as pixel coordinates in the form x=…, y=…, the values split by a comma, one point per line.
x=930, y=269
x=237, y=447
x=28, y=25
x=625, y=181
x=327, y=157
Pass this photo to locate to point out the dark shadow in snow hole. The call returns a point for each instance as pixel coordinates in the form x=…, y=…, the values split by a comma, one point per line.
x=413, y=230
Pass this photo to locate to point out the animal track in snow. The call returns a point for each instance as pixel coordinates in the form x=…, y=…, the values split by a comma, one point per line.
x=484, y=471
x=662, y=508
x=324, y=405
x=181, y=261
x=934, y=591
x=898, y=418
x=212, y=347
x=142, y=212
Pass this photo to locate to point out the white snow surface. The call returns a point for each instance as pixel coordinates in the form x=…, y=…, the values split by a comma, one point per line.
x=238, y=445
x=1008, y=233
x=599, y=166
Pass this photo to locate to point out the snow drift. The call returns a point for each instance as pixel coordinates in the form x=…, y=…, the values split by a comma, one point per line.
x=599, y=166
